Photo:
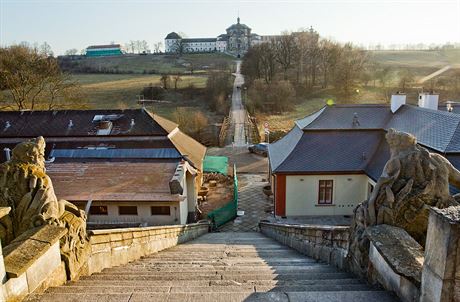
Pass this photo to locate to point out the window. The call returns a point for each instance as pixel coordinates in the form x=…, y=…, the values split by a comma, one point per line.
x=127, y=210
x=160, y=210
x=325, y=192
x=98, y=210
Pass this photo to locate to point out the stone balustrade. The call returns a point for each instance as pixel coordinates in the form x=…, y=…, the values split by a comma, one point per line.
x=321, y=242
x=32, y=262
x=119, y=246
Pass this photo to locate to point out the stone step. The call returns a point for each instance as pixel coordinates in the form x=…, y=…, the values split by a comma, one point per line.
x=229, y=271
x=352, y=296
x=235, y=277
x=197, y=283
x=220, y=269
x=204, y=289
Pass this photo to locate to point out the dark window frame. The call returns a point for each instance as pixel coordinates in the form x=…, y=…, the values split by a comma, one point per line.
x=92, y=210
x=325, y=187
x=165, y=213
x=127, y=214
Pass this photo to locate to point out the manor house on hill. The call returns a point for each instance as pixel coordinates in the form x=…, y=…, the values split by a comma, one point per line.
x=236, y=41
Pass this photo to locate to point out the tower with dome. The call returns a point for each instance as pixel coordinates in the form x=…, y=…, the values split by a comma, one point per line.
x=236, y=41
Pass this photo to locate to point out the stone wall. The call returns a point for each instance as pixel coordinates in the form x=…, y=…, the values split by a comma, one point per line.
x=325, y=243
x=441, y=268
x=119, y=246
x=32, y=262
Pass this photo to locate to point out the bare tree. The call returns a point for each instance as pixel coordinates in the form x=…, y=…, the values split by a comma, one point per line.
x=157, y=47
x=176, y=79
x=71, y=52
x=34, y=80
x=46, y=50
x=165, y=80
x=285, y=47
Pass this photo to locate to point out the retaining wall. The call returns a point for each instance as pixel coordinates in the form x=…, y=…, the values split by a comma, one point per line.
x=326, y=243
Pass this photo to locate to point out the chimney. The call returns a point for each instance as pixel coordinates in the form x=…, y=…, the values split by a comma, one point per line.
x=397, y=100
x=428, y=100
x=7, y=153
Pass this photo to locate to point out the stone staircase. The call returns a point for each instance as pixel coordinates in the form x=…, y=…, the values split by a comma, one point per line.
x=220, y=267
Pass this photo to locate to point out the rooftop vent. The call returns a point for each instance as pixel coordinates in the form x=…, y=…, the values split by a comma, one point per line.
x=449, y=107
x=355, y=120
x=70, y=125
x=132, y=123
x=7, y=125
x=104, y=128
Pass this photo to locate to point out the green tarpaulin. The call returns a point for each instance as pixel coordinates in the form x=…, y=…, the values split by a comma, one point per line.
x=228, y=212
x=217, y=164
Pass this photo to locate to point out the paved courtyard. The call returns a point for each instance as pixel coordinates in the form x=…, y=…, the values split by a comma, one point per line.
x=253, y=202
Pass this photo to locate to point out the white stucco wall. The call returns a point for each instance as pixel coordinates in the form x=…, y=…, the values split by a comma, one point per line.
x=302, y=194
x=143, y=213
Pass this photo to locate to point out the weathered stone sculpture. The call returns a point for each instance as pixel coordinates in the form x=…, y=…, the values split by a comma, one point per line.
x=25, y=187
x=413, y=180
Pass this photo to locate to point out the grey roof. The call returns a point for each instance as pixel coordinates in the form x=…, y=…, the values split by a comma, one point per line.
x=433, y=128
x=331, y=151
x=172, y=36
x=162, y=153
x=282, y=148
x=341, y=117
x=329, y=141
x=195, y=40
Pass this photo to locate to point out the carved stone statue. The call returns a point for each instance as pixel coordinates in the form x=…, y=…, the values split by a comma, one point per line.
x=412, y=181
x=25, y=187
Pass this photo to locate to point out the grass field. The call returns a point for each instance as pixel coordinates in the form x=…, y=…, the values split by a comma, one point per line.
x=104, y=91
x=417, y=58
x=148, y=64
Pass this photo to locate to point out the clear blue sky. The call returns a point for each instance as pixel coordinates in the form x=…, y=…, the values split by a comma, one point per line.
x=79, y=23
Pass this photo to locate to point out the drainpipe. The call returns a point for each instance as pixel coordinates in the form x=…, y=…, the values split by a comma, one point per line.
x=7, y=153
x=88, y=206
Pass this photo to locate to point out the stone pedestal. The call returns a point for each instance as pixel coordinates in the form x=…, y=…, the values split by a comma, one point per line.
x=441, y=268
x=3, y=211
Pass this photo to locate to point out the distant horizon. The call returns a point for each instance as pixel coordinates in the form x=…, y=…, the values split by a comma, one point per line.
x=78, y=24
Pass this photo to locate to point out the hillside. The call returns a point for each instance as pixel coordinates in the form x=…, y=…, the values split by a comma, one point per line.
x=417, y=58
x=146, y=64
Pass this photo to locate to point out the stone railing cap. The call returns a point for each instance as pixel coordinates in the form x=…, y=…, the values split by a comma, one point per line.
x=23, y=251
x=140, y=229
x=402, y=253
x=308, y=226
x=451, y=214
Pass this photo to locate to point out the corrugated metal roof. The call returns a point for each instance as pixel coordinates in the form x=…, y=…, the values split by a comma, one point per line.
x=116, y=153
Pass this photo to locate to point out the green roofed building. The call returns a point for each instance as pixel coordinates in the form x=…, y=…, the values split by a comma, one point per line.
x=103, y=50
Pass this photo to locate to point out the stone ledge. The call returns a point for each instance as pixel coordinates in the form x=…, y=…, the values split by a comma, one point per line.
x=402, y=253
x=24, y=251
x=307, y=226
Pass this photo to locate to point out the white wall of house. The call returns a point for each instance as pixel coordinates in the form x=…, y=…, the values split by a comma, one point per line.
x=302, y=194
x=143, y=213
